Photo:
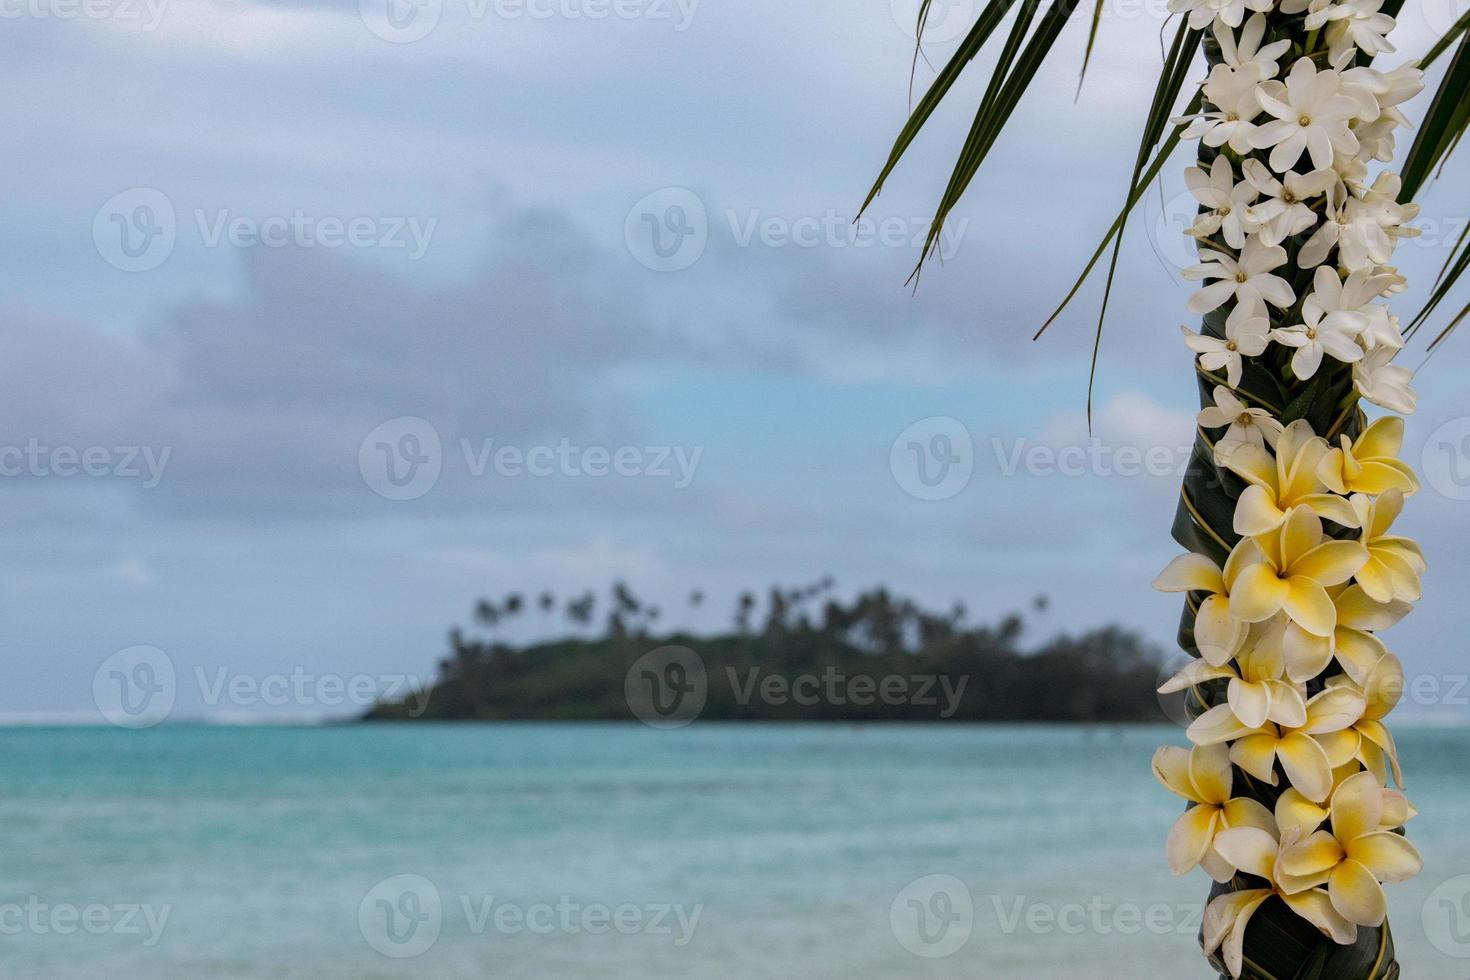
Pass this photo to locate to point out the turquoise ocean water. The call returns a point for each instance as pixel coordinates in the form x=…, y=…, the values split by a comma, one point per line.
x=545, y=851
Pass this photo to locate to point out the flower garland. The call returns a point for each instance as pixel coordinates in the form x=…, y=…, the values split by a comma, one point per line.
x=1293, y=570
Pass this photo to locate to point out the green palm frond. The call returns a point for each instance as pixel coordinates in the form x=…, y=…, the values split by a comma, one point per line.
x=1443, y=126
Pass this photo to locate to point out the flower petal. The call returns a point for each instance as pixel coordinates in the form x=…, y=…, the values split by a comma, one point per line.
x=1306, y=655
x=1256, y=754
x=1248, y=849
x=1171, y=768
x=1287, y=707
x=1357, y=894
x=1217, y=725
x=1209, y=770
x=1294, y=812
x=1331, y=563
x=1256, y=512
x=1315, y=906
x=1190, y=837
x=1259, y=593
x=1217, y=634
x=1314, y=854
x=1357, y=806
x=1250, y=702
x=1234, y=948
x=1334, y=708
x=1306, y=765
x=1391, y=857
x=1309, y=605
x=1193, y=673
x=1190, y=573
x=1224, y=911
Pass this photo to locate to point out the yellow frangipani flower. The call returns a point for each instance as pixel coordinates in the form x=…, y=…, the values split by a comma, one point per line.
x=1352, y=643
x=1277, y=485
x=1371, y=464
x=1294, y=812
x=1259, y=851
x=1203, y=777
x=1256, y=693
x=1291, y=569
x=1355, y=854
x=1217, y=633
x=1300, y=751
x=1368, y=739
x=1394, y=562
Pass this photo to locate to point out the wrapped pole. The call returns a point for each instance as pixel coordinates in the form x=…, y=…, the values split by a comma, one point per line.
x=1292, y=779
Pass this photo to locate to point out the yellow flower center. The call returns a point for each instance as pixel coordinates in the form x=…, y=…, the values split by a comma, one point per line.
x=1305, y=121
x=1241, y=277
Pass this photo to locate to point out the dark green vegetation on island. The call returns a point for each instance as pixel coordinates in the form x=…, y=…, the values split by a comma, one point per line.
x=799, y=655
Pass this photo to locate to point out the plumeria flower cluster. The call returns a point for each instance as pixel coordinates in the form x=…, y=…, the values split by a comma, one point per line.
x=1296, y=245
x=1294, y=147
x=1287, y=634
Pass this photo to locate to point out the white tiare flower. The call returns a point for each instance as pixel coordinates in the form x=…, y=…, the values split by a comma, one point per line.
x=1248, y=280
x=1352, y=172
x=1320, y=13
x=1229, y=12
x=1331, y=294
x=1247, y=332
x=1246, y=51
x=1404, y=82
x=1322, y=331
x=1383, y=328
x=1311, y=115
x=1327, y=235
x=1255, y=426
x=1365, y=229
x=1384, y=383
x=1356, y=295
x=1394, y=282
x=1378, y=95
x=1372, y=224
x=1227, y=202
x=1357, y=24
x=1284, y=212
x=1377, y=140
x=1232, y=122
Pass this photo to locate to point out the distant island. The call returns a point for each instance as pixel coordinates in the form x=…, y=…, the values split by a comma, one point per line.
x=799, y=655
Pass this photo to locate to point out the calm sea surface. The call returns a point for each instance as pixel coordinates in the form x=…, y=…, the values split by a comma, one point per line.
x=544, y=851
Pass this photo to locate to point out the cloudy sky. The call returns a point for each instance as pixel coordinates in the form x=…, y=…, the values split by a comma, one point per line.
x=321, y=319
